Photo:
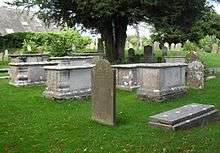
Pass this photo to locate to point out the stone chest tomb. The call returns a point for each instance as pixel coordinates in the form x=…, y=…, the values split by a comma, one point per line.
x=127, y=76
x=160, y=81
x=68, y=82
x=28, y=58
x=28, y=73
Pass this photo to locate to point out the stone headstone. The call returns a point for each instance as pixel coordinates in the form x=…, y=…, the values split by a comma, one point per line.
x=195, y=71
x=6, y=53
x=215, y=48
x=103, y=93
x=156, y=46
x=195, y=75
x=131, y=55
x=184, y=117
x=178, y=47
x=172, y=47
x=192, y=56
x=164, y=53
x=100, y=45
x=167, y=45
x=148, y=54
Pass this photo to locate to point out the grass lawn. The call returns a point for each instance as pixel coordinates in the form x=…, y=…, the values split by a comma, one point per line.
x=3, y=64
x=209, y=59
x=31, y=123
x=3, y=74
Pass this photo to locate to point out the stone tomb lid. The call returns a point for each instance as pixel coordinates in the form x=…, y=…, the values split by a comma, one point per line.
x=175, y=57
x=126, y=66
x=71, y=57
x=33, y=63
x=27, y=55
x=181, y=114
x=68, y=67
x=150, y=65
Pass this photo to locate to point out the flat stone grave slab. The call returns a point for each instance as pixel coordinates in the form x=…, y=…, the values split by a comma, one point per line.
x=184, y=117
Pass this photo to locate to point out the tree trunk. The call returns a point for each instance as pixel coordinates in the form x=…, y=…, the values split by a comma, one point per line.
x=120, y=35
x=114, y=36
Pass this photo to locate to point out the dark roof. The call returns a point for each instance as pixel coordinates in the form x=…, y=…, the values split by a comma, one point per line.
x=14, y=20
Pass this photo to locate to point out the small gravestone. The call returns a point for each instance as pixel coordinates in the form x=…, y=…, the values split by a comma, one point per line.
x=172, y=47
x=215, y=48
x=192, y=56
x=164, y=53
x=103, y=93
x=195, y=71
x=156, y=46
x=178, y=47
x=131, y=55
x=100, y=45
x=166, y=44
x=184, y=117
x=148, y=54
x=195, y=75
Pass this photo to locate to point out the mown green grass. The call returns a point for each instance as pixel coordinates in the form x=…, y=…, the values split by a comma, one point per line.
x=3, y=64
x=4, y=74
x=209, y=59
x=31, y=123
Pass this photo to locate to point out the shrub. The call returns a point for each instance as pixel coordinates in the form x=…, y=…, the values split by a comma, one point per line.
x=206, y=43
x=29, y=47
x=189, y=46
x=52, y=42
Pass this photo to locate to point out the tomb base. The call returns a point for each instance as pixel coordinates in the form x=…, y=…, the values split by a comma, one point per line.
x=185, y=117
x=161, y=95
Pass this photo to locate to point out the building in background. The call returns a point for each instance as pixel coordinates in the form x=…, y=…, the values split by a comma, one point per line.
x=14, y=20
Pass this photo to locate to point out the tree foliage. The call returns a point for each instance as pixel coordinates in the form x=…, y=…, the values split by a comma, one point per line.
x=111, y=17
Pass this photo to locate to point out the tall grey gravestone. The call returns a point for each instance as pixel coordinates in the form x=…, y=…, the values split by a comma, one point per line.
x=148, y=54
x=103, y=93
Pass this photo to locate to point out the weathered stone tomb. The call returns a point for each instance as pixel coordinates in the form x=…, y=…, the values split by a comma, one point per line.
x=127, y=76
x=28, y=73
x=68, y=82
x=160, y=81
x=184, y=117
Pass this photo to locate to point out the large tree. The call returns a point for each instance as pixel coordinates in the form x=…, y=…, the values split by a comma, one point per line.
x=111, y=17
x=174, y=21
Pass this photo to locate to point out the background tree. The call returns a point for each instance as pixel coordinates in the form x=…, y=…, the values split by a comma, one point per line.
x=209, y=24
x=174, y=19
x=111, y=17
